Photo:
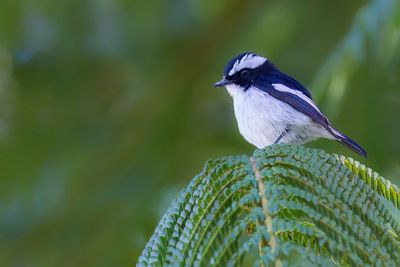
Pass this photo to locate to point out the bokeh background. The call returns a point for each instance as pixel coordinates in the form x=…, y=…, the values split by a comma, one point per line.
x=107, y=108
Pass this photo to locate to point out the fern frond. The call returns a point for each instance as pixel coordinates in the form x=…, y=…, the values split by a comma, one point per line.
x=285, y=198
x=382, y=186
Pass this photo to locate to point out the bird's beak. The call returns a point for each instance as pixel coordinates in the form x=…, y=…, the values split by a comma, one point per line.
x=221, y=83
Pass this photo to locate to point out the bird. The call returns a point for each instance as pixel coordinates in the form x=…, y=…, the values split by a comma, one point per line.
x=271, y=107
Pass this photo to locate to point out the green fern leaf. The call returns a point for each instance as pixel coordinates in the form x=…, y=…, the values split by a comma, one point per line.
x=285, y=198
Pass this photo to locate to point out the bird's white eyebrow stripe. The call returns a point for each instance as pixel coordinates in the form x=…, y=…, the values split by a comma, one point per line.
x=283, y=88
x=250, y=61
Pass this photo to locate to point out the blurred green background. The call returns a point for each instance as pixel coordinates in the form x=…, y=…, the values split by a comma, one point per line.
x=107, y=107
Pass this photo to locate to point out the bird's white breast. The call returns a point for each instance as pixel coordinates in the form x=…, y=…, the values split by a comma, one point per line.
x=262, y=118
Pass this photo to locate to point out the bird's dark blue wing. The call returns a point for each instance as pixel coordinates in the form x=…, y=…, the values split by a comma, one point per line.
x=269, y=74
x=280, y=77
x=299, y=101
x=305, y=105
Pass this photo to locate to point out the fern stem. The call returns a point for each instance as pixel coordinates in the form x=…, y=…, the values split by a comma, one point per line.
x=272, y=242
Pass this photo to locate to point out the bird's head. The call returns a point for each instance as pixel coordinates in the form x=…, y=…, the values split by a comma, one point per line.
x=242, y=71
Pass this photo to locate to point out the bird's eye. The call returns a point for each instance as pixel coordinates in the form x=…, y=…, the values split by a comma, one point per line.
x=244, y=73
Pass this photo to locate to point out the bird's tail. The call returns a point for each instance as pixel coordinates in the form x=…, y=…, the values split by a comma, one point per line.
x=343, y=139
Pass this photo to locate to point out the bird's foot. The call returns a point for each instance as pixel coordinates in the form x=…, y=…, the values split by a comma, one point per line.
x=281, y=136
